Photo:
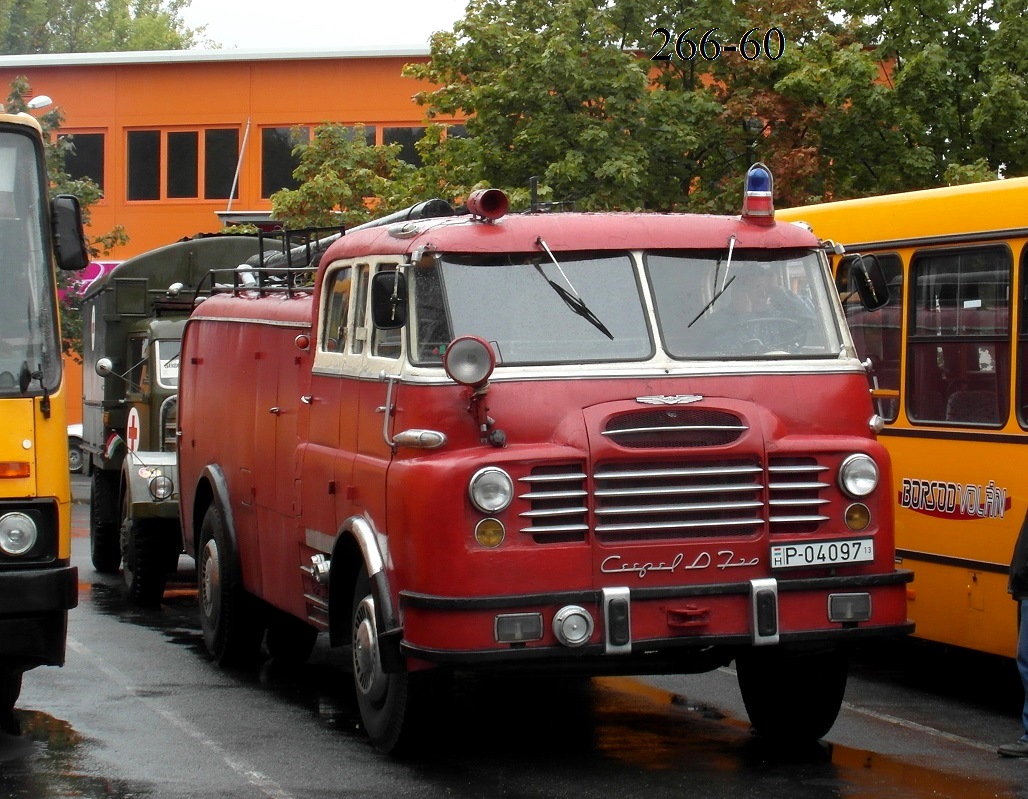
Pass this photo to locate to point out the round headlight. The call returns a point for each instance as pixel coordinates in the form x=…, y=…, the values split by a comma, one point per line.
x=858, y=476
x=491, y=489
x=18, y=533
x=161, y=487
x=469, y=360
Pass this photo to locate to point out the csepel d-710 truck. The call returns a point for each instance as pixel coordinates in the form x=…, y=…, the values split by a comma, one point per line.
x=132, y=321
x=606, y=443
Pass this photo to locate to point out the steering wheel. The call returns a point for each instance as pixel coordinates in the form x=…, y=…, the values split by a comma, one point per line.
x=773, y=332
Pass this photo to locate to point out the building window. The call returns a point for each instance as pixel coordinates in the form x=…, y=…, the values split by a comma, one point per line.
x=277, y=159
x=85, y=159
x=144, y=165
x=406, y=138
x=183, y=163
x=221, y=154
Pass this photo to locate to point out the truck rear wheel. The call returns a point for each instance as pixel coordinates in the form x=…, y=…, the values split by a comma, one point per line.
x=104, y=535
x=231, y=618
x=792, y=697
x=143, y=548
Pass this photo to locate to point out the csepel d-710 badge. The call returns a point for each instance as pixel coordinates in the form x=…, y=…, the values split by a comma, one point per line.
x=823, y=553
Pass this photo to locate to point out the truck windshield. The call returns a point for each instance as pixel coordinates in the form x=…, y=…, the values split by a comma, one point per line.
x=531, y=311
x=29, y=350
x=754, y=304
x=167, y=362
x=592, y=308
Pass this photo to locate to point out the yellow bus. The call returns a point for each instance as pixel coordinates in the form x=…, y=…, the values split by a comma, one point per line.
x=38, y=584
x=947, y=363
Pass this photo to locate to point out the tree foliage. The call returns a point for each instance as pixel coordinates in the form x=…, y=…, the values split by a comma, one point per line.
x=93, y=26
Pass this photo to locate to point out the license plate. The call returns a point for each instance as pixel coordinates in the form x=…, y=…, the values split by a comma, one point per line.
x=823, y=553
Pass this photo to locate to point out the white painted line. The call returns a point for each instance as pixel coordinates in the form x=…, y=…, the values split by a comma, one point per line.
x=244, y=769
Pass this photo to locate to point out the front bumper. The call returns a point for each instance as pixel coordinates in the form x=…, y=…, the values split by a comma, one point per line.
x=34, y=605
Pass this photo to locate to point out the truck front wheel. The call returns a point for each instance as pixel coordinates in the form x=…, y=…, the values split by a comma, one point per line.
x=231, y=618
x=792, y=697
x=395, y=708
x=143, y=548
x=104, y=535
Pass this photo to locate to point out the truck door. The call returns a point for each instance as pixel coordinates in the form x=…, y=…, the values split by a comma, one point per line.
x=381, y=351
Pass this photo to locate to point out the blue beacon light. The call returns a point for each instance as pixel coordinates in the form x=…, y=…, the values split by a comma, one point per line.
x=757, y=200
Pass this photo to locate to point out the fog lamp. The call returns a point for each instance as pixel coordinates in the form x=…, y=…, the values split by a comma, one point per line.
x=489, y=533
x=845, y=608
x=161, y=487
x=858, y=517
x=18, y=533
x=573, y=625
x=513, y=628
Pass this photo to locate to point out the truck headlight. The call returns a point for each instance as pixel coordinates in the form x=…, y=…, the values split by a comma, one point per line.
x=858, y=476
x=491, y=489
x=161, y=487
x=18, y=533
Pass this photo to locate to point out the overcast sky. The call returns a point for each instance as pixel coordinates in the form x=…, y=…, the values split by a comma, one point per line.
x=322, y=24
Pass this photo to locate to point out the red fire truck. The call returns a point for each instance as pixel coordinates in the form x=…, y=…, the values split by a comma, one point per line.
x=605, y=443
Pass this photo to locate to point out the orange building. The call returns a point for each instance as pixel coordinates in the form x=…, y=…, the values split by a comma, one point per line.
x=177, y=138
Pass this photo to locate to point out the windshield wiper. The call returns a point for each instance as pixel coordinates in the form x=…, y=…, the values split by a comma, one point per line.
x=724, y=287
x=571, y=298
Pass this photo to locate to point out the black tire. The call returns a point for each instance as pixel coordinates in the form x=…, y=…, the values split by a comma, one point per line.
x=10, y=690
x=290, y=640
x=231, y=618
x=104, y=518
x=792, y=697
x=385, y=700
x=143, y=548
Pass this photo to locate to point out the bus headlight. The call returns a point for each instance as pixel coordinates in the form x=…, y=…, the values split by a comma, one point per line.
x=491, y=489
x=18, y=533
x=858, y=476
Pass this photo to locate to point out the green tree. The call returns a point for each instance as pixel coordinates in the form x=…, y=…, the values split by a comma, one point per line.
x=91, y=26
x=339, y=173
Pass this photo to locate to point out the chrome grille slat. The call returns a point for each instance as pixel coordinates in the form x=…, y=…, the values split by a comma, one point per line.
x=681, y=508
x=719, y=525
x=655, y=492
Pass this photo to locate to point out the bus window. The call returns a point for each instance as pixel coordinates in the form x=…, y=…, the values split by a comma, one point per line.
x=959, y=336
x=876, y=334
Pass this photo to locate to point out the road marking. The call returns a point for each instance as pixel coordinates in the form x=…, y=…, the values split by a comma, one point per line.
x=246, y=770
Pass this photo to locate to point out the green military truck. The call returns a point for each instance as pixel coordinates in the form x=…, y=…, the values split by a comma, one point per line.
x=132, y=324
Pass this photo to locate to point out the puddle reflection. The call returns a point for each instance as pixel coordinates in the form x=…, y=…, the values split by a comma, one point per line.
x=50, y=759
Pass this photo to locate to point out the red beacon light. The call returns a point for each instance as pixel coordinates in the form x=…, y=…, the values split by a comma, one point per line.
x=757, y=198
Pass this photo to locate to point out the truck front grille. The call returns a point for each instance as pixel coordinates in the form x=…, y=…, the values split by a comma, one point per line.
x=674, y=500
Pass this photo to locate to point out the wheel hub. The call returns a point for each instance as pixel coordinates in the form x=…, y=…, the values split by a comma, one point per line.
x=367, y=666
x=210, y=580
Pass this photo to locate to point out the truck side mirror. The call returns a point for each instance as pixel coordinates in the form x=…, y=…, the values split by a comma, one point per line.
x=104, y=367
x=868, y=278
x=69, y=241
x=389, y=300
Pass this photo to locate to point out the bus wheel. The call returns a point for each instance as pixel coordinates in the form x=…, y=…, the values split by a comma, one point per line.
x=392, y=706
x=104, y=535
x=143, y=553
x=289, y=640
x=792, y=697
x=10, y=689
x=232, y=619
